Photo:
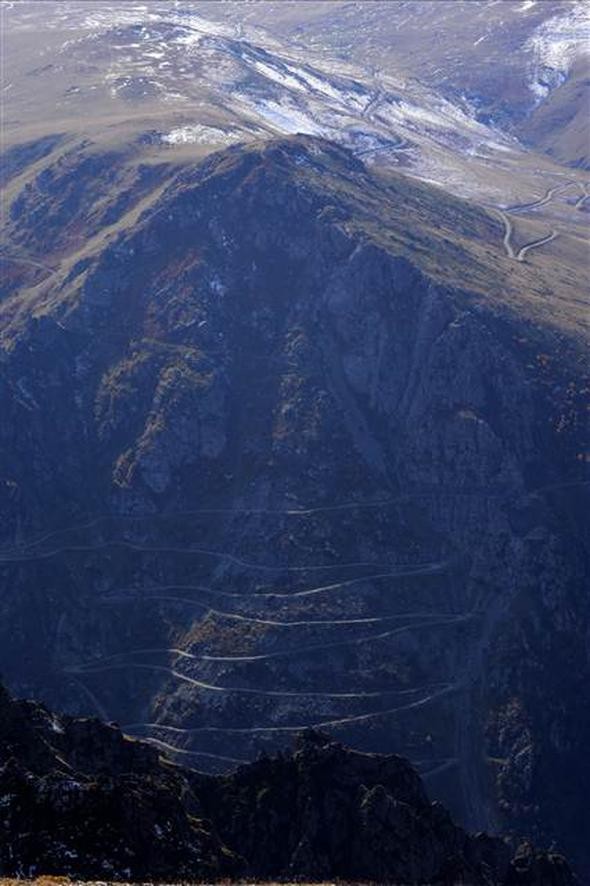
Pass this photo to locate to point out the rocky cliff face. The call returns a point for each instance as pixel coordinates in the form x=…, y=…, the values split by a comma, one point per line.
x=293, y=447
x=79, y=798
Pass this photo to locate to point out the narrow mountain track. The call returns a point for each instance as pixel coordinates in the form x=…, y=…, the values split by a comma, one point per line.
x=448, y=689
x=272, y=622
x=131, y=728
x=546, y=198
x=508, y=230
x=90, y=667
x=502, y=212
x=585, y=188
x=118, y=659
x=97, y=705
x=408, y=571
x=201, y=552
x=229, y=512
x=373, y=103
x=416, y=569
x=451, y=763
x=320, y=647
x=163, y=745
x=520, y=256
x=272, y=512
x=132, y=732
x=563, y=484
x=402, y=145
x=234, y=690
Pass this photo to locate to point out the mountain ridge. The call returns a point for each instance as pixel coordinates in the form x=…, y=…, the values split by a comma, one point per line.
x=104, y=805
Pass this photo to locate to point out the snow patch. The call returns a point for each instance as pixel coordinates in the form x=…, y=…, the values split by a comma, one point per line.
x=202, y=135
x=278, y=76
x=56, y=726
x=191, y=38
x=554, y=45
x=284, y=117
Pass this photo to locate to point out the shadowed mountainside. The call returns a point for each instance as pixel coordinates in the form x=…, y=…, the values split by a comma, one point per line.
x=291, y=444
x=79, y=798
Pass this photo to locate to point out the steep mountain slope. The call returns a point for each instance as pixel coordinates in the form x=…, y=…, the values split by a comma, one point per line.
x=559, y=125
x=290, y=444
x=79, y=798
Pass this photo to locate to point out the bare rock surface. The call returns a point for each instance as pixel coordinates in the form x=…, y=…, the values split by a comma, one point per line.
x=78, y=798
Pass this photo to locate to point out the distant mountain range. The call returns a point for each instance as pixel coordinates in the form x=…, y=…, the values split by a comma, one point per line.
x=521, y=66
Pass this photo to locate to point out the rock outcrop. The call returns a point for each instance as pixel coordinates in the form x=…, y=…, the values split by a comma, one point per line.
x=78, y=797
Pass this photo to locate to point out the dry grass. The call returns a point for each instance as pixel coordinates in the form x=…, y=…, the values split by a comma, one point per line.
x=39, y=881
x=67, y=881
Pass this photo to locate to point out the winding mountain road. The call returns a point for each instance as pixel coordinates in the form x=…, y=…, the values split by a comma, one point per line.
x=509, y=231
x=520, y=256
x=90, y=667
x=546, y=198
x=442, y=767
x=131, y=594
x=448, y=689
x=289, y=512
x=502, y=212
x=158, y=743
x=237, y=616
x=234, y=690
x=203, y=552
x=583, y=197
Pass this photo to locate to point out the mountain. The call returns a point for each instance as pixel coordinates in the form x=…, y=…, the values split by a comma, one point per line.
x=293, y=368
x=519, y=64
x=80, y=798
x=559, y=124
x=320, y=465
x=175, y=78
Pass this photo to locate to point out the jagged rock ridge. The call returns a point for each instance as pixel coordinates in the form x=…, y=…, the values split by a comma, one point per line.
x=80, y=798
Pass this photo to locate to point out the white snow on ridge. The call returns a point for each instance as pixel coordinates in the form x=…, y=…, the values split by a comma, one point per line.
x=133, y=14
x=300, y=79
x=286, y=118
x=191, y=38
x=318, y=82
x=262, y=86
x=128, y=14
x=443, y=117
x=202, y=135
x=554, y=46
x=278, y=76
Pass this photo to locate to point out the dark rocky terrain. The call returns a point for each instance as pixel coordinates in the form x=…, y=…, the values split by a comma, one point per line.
x=79, y=798
x=289, y=443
